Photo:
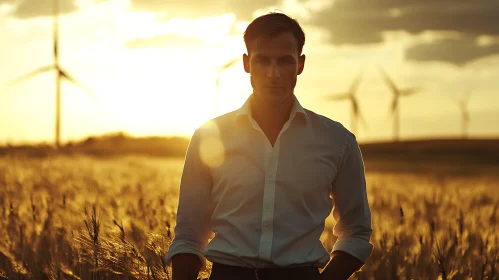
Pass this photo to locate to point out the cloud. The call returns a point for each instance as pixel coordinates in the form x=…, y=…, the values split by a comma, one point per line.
x=363, y=22
x=164, y=41
x=457, y=52
x=26, y=9
x=191, y=9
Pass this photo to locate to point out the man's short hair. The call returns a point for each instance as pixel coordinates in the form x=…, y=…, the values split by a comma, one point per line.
x=273, y=24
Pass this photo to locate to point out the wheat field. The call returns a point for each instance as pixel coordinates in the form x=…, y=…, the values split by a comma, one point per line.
x=86, y=218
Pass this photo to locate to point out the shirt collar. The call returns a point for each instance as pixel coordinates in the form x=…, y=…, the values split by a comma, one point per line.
x=297, y=109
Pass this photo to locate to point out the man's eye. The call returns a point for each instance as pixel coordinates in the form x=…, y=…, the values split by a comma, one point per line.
x=286, y=61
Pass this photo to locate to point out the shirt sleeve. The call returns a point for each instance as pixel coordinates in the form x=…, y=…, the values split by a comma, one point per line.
x=195, y=206
x=351, y=208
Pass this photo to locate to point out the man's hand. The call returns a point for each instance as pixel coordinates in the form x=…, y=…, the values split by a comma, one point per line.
x=185, y=267
x=341, y=266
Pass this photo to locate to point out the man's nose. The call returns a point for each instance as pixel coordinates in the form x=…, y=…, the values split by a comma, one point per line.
x=273, y=71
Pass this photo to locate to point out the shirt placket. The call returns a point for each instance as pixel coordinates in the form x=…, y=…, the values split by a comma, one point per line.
x=271, y=156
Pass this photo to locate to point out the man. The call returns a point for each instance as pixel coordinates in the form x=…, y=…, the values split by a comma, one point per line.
x=265, y=177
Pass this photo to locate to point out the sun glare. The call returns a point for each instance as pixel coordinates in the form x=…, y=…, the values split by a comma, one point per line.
x=211, y=148
x=172, y=89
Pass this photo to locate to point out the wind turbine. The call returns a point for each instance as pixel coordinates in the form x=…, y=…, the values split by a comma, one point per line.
x=465, y=116
x=61, y=73
x=220, y=70
x=397, y=94
x=350, y=95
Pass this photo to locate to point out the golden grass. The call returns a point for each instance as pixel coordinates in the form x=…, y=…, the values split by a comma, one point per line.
x=83, y=218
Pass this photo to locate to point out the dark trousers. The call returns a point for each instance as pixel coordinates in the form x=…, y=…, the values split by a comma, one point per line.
x=227, y=272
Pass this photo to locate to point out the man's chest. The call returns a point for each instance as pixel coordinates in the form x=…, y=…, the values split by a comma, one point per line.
x=292, y=169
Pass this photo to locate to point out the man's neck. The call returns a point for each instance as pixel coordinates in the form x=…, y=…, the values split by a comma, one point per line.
x=274, y=115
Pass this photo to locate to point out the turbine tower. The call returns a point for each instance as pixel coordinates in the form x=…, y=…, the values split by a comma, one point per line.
x=350, y=95
x=220, y=70
x=465, y=115
x=61, y=73
x=397, y=94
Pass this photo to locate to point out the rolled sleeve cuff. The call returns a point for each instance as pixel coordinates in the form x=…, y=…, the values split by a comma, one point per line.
x=181, y=247
x=356, y=247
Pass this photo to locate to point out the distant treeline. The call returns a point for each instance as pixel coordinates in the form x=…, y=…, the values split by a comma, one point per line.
x=108, y=145
x=458, y=155
x=476, y=150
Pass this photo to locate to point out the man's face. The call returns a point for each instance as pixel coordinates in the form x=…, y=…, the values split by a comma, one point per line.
x=274, y=64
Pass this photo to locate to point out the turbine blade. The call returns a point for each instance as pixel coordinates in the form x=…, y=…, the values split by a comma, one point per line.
x=356, y=82
x=355, y=106
x=229, y=64
x=225, y=67
x=363, y=121
x=31, y=74
x=394, y=106
x=55, y=31
x=218, y=82
x=337, y=97
x=388, y=80
x=357, y=113
x=410, y=91
x=76, y=82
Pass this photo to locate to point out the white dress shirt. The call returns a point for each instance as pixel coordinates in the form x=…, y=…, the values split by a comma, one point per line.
x=265, y=206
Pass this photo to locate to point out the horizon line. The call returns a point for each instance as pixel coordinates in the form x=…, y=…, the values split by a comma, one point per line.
x=181, y=136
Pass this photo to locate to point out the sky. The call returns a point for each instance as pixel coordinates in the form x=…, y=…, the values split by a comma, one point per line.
x=152, y=64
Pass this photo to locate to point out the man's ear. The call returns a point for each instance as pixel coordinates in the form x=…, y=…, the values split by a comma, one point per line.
x=246, y=63
x=301, y=64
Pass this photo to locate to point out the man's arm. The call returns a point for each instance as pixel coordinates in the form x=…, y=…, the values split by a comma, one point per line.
x=341, y=266
x=185, y=266
x=195, y=208
x=352, y=214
